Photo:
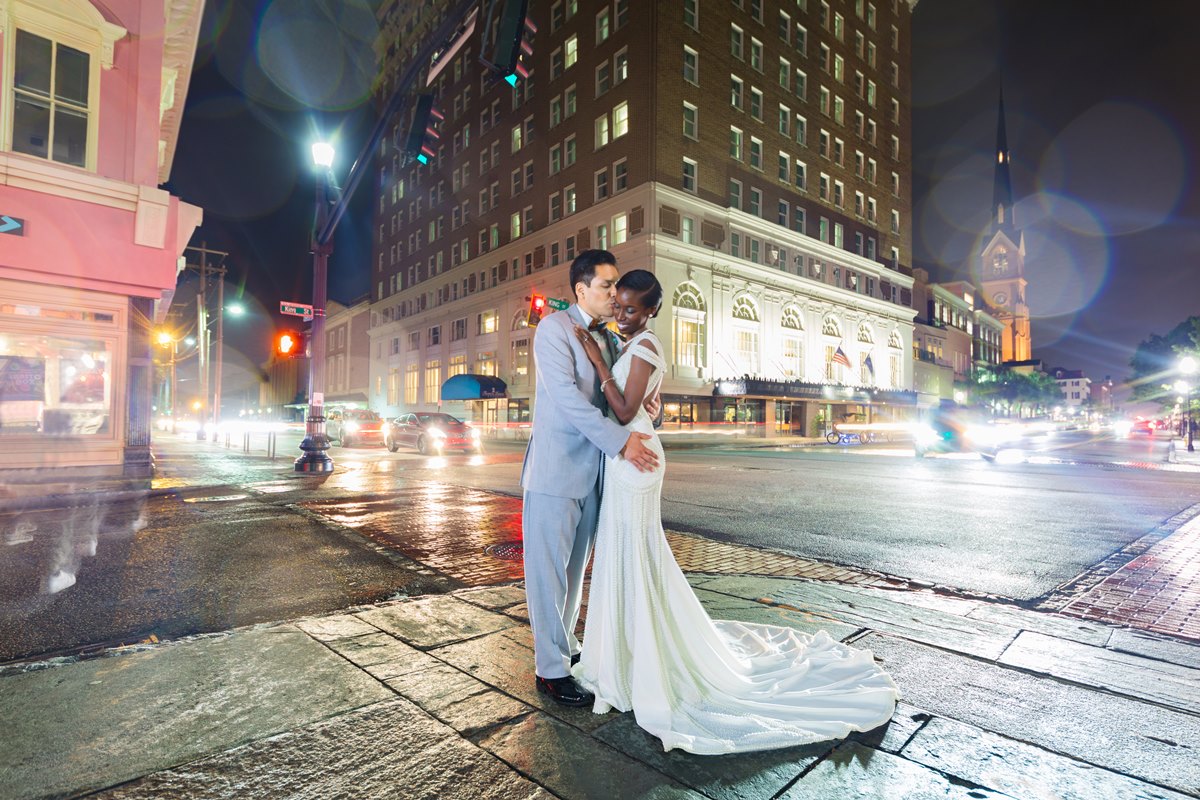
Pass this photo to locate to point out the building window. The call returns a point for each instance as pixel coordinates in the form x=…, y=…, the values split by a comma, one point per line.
x=756, y=153
x=620, y=120
x=687, y=230
x=52, y=110
x=735, y=194
x=602, y=78
x=691, y=14
x=735, y=143
x=433, y=381
x=735, y=92
x=735, y=42
x=691, y=121
x=602, y=236
x=755, y=207
x=746, y=347
x=601, y=184
x=620, y=176
x=756, y=104
x=601, y=131
x=691, y=66
x=602, y=26
x=620, y=229
x=689, y=175
x=571, y=54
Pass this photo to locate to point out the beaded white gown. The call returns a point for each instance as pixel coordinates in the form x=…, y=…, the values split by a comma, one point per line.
x=698, y=684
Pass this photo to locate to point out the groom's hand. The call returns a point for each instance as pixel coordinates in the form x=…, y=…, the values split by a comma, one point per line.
x=642, y=457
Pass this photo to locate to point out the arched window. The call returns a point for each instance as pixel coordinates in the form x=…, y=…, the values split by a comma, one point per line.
x=687, y=329
x=830, y=326
x=791, y=318
x=688, y=296
x=744, y=308
x=894, y=340
x=520, y=320
x=865, y=335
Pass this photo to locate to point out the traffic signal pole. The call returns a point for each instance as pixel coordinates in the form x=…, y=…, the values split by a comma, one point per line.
x=315, y=458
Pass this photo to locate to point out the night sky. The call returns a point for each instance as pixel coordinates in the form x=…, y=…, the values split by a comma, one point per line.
x=1102, y=126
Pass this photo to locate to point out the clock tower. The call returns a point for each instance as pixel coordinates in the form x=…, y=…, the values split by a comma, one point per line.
x=1002, y=260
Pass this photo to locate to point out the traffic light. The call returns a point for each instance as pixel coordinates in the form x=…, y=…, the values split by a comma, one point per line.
x=289, y=344
x=537, y=306
x=423, y=132
x=513, y=48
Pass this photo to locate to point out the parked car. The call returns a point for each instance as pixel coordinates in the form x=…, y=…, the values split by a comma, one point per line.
x=358, y=426
x=432, y=433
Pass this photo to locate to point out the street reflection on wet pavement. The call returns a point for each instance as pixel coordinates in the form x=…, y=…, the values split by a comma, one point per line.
x=458, y=531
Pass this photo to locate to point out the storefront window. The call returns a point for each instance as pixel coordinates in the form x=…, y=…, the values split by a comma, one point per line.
x=55, y=385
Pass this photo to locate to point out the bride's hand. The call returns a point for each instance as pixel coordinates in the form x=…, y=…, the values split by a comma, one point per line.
x=590, y=347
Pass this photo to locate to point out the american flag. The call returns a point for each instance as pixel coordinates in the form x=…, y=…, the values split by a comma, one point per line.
x=840, y=357
x=870, y=365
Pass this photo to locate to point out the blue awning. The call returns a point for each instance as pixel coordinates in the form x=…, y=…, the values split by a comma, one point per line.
x=474, y=387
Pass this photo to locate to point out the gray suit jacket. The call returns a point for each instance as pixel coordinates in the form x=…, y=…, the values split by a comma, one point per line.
x=570, y=431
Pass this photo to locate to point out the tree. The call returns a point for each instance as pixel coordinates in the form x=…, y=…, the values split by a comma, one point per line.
x=1155, y=363
x=1007, y=392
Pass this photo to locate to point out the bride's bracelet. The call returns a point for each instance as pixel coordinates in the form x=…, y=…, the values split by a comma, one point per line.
x=605, y=381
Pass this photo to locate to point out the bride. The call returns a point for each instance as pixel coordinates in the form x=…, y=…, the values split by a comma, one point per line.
x=698, y=684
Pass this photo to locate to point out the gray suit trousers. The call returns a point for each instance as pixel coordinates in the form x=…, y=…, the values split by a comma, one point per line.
x=558, y=534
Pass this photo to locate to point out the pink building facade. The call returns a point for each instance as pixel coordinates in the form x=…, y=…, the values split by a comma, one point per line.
x=91, y=98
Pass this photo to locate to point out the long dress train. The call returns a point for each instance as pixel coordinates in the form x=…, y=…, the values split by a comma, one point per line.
x=698, y=684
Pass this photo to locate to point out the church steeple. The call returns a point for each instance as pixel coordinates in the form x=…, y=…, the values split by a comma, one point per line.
x=1002, y=197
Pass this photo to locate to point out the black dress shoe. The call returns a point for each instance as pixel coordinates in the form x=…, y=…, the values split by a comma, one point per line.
x=565, y=691
x=574, y=659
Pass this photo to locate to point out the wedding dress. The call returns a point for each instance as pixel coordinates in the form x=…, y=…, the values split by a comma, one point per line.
x=698, y=684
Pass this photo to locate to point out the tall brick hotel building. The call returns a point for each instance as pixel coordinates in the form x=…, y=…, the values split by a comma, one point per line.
x=754, y=154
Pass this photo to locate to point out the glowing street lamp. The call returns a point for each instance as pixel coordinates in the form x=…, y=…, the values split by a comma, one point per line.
x=1187, y=367
x=315, y=446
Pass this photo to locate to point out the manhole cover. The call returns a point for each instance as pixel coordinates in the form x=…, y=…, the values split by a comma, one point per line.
x=506, y=552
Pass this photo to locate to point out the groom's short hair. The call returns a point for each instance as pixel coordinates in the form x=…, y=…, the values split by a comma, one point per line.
x=583, y=268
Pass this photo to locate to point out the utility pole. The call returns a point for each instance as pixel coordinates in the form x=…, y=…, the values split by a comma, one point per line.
x=210, y=407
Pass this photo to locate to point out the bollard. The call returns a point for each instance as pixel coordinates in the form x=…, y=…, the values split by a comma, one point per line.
x=271, y=444
x=246, y=442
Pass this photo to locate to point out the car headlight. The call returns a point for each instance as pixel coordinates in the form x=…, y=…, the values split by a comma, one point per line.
x=437, y=433
x=475, y=433
x=924, y=435
x=351, y=427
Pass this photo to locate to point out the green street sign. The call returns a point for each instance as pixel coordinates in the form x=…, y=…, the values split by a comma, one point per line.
x=295, y=309
x=556, y=304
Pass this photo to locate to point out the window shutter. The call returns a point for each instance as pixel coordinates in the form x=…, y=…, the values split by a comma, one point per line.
x=668, y=220
x=584, y=238
x=712, y=234
x=637, y=220
x=906, y=297
x=885, y=288
x=471, y=282
x=539, y=256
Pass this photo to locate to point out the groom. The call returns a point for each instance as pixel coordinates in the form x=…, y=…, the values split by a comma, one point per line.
x=562, y=472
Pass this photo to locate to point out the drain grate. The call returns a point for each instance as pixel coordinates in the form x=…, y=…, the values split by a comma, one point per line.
x=509, y=551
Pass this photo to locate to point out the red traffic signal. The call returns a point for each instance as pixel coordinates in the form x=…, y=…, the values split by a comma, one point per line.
x=288, y=344
x=537, y=307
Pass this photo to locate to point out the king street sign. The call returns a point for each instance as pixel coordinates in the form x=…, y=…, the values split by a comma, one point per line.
x=295, y=309
x=556, y=304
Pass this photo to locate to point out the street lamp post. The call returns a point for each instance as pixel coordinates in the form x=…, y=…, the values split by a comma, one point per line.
x=315, y=458
x=1187, y=366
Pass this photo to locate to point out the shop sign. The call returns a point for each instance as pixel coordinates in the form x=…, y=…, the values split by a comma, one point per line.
x=22, y=378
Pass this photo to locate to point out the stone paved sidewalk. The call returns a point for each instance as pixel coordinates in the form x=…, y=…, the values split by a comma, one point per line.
x=1157, y=591
x=432, y=697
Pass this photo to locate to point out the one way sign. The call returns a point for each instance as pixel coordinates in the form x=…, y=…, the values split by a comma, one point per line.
x=12, y=225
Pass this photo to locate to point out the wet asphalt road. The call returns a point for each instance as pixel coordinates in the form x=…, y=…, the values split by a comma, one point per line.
x=1014, y=529
x=212, y=560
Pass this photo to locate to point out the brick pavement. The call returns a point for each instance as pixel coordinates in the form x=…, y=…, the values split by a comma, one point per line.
x=1157, y=591
x=475, y=537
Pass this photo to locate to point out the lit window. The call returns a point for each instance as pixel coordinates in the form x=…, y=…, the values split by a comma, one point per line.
x=572, y=52
x=601, y=130
x=620, y=120
x=620, y=229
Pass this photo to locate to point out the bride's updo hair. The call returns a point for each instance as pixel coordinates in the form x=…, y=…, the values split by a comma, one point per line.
x=644, y=283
